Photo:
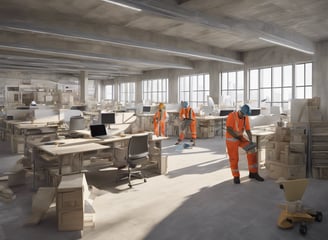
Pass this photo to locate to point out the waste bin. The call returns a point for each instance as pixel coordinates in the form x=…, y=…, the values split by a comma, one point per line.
x=162, y=165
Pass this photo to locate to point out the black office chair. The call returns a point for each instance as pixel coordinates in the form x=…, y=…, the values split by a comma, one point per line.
x=137, y=155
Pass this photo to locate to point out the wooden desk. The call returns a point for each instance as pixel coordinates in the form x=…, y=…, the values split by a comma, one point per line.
x=155, y=146
x=59, y=149
x=208, y=123
x=115, y=129
x=26, y=131
x=258, y=134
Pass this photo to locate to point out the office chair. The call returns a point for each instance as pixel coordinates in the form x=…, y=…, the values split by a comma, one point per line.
x=138, y=154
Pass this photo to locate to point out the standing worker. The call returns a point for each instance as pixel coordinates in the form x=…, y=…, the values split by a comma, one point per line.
x=238, y=122
x=160, y=120
x=188, y=118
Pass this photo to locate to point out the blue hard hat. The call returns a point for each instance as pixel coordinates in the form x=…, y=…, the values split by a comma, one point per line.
x=246, y=110
x=185, y=104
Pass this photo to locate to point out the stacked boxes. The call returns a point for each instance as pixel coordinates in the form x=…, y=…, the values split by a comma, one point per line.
x=288, y=157
x=70, y=203
x=205, y=128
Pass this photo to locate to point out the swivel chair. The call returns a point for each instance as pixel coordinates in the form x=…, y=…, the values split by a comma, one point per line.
x=293, y=211
x=138, y=154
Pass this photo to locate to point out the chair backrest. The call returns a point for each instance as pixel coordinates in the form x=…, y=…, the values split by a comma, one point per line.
x=138, y=147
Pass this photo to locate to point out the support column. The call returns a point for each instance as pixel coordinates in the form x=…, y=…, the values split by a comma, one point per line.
x=215, y=90
x=84, y=87
x=320, y=76
x=173, y=87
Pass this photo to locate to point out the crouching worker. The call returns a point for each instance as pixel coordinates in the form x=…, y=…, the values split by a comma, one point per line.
x=238, y=122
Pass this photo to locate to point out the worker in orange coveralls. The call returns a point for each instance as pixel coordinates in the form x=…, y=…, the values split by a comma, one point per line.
x=237, y=122
x=188, y=118
x=160, y=120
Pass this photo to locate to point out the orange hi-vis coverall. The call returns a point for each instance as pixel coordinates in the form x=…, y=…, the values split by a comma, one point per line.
x=239, y=126
x=159, y=123
x=188, y=116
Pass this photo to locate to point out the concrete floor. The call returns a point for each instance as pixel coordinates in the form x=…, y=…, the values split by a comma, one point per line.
x=196, y=199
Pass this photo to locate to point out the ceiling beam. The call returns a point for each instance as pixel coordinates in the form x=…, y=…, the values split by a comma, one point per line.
x=89, y=56
x=248, y=29
x=116, y=38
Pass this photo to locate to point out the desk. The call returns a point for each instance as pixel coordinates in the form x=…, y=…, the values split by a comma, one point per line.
x=59, y=149
x=25, y=131
x=258, y=134
x=115, y=129
x=155, y=145
x=145, y=121
x=206, y=125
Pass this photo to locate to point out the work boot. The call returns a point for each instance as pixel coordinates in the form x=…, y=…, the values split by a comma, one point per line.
x=178, y=142
x=193, y=142
x=256, y=176
x=236, y=180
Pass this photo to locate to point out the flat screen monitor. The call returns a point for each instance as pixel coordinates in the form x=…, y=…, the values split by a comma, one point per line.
x=108, y=118
x=76, y=123
x=146, y=109
x=255, y=112
x=225, y=112
x=98, y=130
x=79, y=107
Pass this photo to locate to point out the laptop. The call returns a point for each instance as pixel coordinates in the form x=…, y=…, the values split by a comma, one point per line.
x=99, y=131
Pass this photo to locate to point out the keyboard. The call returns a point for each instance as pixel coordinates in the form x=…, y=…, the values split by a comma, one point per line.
x=104, y=137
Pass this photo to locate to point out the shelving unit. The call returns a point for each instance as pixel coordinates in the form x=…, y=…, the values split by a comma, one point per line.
x=319, y=150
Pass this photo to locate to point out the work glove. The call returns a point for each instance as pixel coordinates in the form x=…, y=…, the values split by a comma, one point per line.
x=239, y=138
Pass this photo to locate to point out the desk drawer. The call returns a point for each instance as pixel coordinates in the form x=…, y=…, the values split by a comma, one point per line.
x=69, y=200
x=70, y=220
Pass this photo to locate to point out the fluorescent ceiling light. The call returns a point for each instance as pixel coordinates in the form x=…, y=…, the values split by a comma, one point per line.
x=122, y=5
x=287, y=45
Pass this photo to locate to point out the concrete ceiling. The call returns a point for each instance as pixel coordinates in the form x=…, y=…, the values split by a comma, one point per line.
x=107, y=40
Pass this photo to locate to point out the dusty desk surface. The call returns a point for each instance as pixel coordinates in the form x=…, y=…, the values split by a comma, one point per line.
x=63, y=149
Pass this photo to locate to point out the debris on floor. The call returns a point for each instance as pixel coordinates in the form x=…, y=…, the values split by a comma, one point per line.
x=6, y=194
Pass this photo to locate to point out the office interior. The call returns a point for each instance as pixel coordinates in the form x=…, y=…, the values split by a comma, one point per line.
x=73, y=70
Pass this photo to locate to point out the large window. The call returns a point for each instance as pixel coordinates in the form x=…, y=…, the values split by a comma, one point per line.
x=127, y=92
x=155, y=90
x=277, y=85
x=109, y=92
x=303, y=80
x=194, y=89
x=232, y=88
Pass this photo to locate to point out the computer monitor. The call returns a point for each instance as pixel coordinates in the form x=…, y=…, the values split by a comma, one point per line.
x=255, y=112
x=98, y=130
x=108, y=118
x=225, y=112
x=146, y=109
x=76, y=123
x=79, y=107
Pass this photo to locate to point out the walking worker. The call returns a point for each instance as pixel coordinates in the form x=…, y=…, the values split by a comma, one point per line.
x=188, y=119
x=160, y=120
x=236, y=123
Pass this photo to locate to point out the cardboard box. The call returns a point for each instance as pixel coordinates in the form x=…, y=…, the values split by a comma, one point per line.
x=320, y=172
x=71, y=220
x=69, y=199
x=16, y=178
x=277, y=170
